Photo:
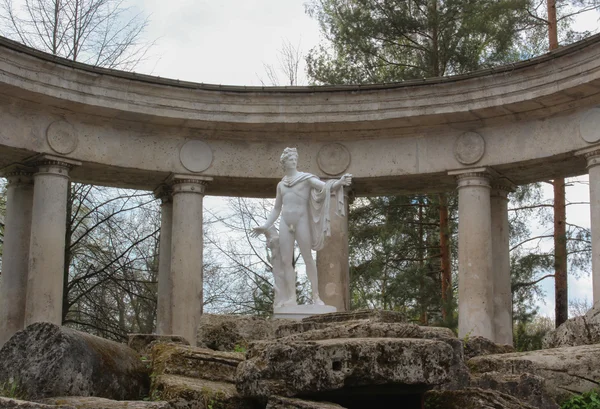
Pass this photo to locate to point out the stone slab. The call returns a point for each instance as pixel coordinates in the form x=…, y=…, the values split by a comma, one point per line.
x=278, y=402
x=528, y=388
x=191, y=362
x=472, y=398
x=91, y=402
x=9, y=403
x=296, y=368
x=373, y=315
x=143, y=342
x=189, y=393
x=583, y=330
x=300, y=312
x=477, y=346
x=566, y=370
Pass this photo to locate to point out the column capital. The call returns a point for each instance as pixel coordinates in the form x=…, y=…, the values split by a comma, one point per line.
x=18, y=174
x=182, y=183
x=51, y=164
x=591, y=154
x=473, y=177
x=164, y=193
x=501, y=187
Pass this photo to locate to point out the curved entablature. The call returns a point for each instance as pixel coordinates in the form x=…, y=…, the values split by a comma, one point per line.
x=526, y=121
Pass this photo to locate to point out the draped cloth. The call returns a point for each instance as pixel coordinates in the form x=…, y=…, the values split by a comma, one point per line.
x=319, y=204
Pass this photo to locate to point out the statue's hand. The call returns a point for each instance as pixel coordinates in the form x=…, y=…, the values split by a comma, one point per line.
x=346, y=180
x=257, y=231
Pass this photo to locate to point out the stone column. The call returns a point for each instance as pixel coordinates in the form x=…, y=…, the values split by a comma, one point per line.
x=186, y=254
x=47, y=242
x=163, y=309
x=593, y=165
x=503, y=330
x=333, y=266
x=15, y=257
x=475, y=272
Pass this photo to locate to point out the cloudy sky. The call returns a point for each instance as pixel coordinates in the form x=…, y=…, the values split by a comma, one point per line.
x=223, y=41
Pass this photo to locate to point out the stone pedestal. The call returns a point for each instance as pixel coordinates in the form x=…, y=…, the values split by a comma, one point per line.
x=165, y=286
x=593, y=165
x=47, y=242
x=503, y=330
x=15, y=259
x=332, y=263
x=186, y=255
x=475, y=272
x=299, y=312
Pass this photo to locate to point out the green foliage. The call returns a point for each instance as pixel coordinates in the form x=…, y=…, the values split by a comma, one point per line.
x=528, y=334
x=588, y=400
x=374, y=41
x=12, y=388
x=240, y=348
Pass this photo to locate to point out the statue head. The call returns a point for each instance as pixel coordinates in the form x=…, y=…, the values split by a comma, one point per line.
x=288, y=153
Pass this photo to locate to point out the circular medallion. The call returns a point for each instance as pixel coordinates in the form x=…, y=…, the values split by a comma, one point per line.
x=589, y=126
x=196, y=156
x=62, y=137
x=469, y=148
x=333, y=158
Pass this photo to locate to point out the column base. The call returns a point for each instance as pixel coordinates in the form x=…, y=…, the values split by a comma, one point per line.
x=298, y=312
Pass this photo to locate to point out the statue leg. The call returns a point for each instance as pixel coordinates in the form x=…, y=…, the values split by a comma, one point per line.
x=286, y=245
x=304, y=243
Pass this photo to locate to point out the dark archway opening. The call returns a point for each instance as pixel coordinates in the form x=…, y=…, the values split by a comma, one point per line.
x=374, y=396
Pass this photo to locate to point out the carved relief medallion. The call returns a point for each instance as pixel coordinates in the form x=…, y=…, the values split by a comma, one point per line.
x=469, y=148
x=333, y=158
x=62, y=137
x=589, y=126
x=196, y=156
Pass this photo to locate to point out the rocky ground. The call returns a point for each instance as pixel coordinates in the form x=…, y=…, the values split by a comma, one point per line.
x=341, y=360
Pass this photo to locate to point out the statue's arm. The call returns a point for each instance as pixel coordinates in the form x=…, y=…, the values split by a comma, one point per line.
x=272, y=217
x=345, y=180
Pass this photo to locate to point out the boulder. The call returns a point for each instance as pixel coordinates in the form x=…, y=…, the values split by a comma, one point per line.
x=47, y=360
x=90, y=402
x=565, y=370
x=528, y=388
x=301, y=368
x=231, y=332
x=472, y=398
x=278, y=402
x=190, y=393
x=9, y=403
x=191, y=362
x=583, y=330
x=477, y=346
x=142, y=343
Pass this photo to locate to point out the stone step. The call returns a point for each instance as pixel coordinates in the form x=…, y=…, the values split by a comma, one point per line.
x=278, y=402
x=91, y=402
x=301, y=368
x=192, y=362
x=10, y=403
x=182, y=392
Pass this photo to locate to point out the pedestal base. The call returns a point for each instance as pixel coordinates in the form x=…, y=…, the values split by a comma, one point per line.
x=298, y=312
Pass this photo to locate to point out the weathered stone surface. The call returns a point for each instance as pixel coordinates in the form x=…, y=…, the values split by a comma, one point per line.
x=359, y=329
x=372, y=315
x=142, y=343
x=526, y=387
x=566, y=370
x=90, y=402
x=225, y=332
x=189, y=393
x=191, y=362
x=278, y=402
x=583, y=330
x=477, y=346
x=48, y=360
x=472, y=398
x=293, y=368
x=9, y=403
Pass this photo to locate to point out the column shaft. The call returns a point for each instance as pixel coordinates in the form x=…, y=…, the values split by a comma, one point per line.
x=333, y=265
x=475, y=281
x=15, y=257
x=501, y=263
x=163, y=310
x=47, y=243
x=186, y=257
x=594, y=180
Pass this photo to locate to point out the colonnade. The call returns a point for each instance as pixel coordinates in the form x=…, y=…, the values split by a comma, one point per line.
x=33, y=254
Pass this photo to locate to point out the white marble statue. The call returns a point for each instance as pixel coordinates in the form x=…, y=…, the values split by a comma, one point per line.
x=303, y=201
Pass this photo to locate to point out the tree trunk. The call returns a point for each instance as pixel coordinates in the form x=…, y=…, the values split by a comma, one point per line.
x=561, y=299
x=445, y=258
